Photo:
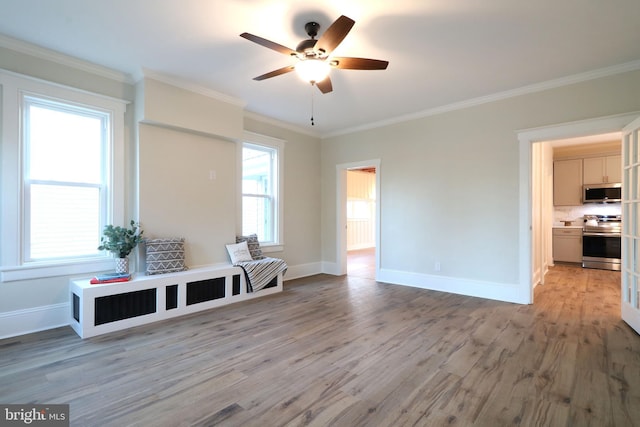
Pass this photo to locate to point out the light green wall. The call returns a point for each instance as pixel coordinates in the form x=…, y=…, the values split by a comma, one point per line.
x=168, y=105
x=187, y=171
x=112, y=84
x=177, y=196
x=450, y=182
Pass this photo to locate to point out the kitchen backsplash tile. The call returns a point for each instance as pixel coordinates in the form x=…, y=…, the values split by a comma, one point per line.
x=576, y=213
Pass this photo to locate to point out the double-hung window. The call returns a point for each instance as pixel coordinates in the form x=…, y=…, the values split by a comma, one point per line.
x=61, y=177
x=65, y=179
x=261, y=195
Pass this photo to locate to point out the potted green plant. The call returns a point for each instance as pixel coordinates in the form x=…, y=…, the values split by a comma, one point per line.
x=121, y=241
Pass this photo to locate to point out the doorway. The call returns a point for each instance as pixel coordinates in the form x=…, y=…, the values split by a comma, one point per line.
x=527, y=140
x=556, y=189
x=361, y=221
x=358, y=219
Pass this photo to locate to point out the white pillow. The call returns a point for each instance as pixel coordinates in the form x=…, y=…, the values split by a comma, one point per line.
x=239, y=252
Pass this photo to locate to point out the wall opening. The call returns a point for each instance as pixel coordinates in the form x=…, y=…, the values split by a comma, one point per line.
x=361, y=222
x=527, y=140
x=362, y=207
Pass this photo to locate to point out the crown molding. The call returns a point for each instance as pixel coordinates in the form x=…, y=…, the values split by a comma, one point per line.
x=62, y=59
x=191, y=87
x=537, y=87
x=63, y=86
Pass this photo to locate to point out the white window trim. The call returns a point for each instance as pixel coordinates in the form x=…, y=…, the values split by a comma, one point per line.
x=278, y=144
x=13, y=85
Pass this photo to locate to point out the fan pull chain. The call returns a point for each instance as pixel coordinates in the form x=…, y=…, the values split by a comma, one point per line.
x=312, y=91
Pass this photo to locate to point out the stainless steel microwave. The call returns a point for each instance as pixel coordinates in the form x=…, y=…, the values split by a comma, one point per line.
x=602, y=193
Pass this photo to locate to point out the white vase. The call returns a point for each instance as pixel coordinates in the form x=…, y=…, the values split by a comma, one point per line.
x=122, y=265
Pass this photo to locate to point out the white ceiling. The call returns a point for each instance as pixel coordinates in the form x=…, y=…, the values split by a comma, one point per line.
x=441, y=52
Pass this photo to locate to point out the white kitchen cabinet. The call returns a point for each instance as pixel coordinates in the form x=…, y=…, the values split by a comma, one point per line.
x=567, y=182
x=602, y=170
x=567, y=244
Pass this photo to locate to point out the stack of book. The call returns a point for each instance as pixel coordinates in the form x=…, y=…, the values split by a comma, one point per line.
x=110, y=278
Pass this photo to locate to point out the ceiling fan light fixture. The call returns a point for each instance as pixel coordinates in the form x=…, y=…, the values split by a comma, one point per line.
x=312, y=70
x=313, y=56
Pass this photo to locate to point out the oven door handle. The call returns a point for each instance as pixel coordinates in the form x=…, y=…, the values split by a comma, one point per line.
x=601, y=234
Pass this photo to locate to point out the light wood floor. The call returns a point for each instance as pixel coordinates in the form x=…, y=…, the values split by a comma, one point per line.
x=346, y=351
x=362, y=263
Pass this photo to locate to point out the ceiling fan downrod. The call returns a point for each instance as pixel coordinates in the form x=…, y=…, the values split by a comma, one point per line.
x=312, y=28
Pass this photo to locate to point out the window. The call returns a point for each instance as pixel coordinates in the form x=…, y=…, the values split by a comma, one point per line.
x=61, y=177
x=261, y=195
x=64, y=186
x=360, y=209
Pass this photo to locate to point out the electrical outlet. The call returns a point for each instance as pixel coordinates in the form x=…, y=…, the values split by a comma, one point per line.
x=436, y=267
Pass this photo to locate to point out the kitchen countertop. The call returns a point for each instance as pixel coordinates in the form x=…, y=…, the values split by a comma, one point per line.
x=574, y=224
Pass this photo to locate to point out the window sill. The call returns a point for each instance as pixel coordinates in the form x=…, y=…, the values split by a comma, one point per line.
x=271, y=248
x=41, y=271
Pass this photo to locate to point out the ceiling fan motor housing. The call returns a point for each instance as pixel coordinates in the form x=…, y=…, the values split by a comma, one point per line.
x=306, y=46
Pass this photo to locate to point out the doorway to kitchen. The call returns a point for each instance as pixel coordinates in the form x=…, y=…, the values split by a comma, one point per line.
x=535, y=241
x=358, y=219
x=559, y=169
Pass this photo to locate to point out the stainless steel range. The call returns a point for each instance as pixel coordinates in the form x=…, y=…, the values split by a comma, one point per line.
x=601, y=242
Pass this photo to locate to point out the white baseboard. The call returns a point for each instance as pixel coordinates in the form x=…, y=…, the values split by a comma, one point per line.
x=331, y=268
x=475, y=288
x=21, y=322
x=536, y=277
x=302, y=270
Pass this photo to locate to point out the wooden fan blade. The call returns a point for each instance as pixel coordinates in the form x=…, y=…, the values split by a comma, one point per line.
x=358, y=63
x=274, y=73
x=269, y=44
x=334, y=34
x=325, y=85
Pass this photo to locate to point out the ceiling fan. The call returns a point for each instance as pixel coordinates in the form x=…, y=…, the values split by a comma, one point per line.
x=314, y=60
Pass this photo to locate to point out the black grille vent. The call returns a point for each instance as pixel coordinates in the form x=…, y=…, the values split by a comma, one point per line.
x=76, y=307
x=124, y=306
x=205, y=290
x=236, y=284
x=172, y=297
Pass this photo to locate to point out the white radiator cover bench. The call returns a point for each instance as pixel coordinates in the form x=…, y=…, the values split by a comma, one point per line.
x=102, y=308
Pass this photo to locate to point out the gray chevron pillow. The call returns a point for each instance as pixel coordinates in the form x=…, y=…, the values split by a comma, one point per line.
x=165, y=255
